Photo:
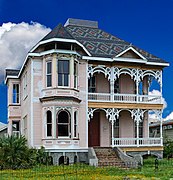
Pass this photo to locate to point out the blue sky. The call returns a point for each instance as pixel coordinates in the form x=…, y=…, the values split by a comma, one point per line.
x=147, y=24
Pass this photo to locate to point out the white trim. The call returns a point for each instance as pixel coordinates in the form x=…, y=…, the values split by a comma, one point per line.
x=158, y=64
x=53, y=51
x=124, y=60
x=134, y=50
x=60, y=40
x=130, y=60
x=10, y=77
x=31, y=124
x=97, y=58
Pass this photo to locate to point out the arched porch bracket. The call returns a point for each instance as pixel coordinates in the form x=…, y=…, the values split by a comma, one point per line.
x=99, y=69
x=157, y=75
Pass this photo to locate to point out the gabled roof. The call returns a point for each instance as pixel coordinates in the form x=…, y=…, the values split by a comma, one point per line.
x=58, y=32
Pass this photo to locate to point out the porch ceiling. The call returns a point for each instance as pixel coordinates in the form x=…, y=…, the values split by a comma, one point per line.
x=124, y=105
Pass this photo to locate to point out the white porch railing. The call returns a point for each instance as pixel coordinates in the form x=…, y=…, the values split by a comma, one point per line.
x=124, y=98
x=136, y=142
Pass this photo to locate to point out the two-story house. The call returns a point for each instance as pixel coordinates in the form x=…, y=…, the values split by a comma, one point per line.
x=81, y=87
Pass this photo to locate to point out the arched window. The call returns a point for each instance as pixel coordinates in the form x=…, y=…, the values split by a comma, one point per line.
x=63, y=123
x=49, y=123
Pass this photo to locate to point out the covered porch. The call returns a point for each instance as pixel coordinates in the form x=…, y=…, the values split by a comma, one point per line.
x=111, y=127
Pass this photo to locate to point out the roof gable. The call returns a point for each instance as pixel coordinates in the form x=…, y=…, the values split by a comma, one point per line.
x=131, y=53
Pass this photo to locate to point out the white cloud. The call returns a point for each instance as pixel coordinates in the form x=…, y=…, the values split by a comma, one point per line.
x=15, y=42
x=158, y=93
x=152, y=116
x=169, y=117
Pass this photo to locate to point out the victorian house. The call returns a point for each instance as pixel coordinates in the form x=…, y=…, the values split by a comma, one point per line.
x=81, y=87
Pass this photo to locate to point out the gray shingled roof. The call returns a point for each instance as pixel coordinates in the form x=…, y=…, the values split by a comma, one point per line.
x=98, y=42
x=58, y=32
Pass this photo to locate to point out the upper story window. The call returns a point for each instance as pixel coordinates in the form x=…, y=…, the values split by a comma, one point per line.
x=15, y=93
x=75, y=74
x=92, y=84
x=25, y=85
x=63, y=73
x=49, y=74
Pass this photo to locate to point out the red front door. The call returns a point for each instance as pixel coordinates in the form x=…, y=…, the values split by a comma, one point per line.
x=94, y=130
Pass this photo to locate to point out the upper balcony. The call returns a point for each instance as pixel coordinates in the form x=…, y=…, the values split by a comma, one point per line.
x=123, y=85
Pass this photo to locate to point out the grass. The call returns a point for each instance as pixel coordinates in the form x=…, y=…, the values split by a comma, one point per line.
x=82, y=172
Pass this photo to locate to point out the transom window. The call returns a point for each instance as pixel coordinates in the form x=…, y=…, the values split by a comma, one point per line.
x=63, y=124
x=63, y=73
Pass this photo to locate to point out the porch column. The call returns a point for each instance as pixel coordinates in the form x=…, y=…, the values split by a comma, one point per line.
x=137, y=132
x=112, y=114
x=161, y=130
x=112, y=81
x=138, y=115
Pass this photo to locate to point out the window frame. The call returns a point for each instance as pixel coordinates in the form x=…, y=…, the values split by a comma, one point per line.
x=48, y=123
x=76, y=64
x=63, y=124
x=48, y=74
x=75, y=132
x=63, y=74
x=16, y=95
x=25, y=93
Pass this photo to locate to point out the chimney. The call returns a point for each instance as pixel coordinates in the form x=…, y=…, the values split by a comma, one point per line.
x=80, y=22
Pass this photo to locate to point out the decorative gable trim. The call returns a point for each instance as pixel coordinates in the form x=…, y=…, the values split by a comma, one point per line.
x=132, y=49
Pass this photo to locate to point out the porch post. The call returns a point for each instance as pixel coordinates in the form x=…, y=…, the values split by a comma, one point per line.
x=112, y=81
x=137, y=132
x=161, y=130
x=112, y=114
x=112, y=133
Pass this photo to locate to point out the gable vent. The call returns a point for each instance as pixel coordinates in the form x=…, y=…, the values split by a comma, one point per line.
x=80, y=22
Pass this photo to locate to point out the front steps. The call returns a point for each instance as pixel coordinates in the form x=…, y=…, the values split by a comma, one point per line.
x=107, y=157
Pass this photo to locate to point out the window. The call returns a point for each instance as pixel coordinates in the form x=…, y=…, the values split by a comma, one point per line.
x=140, y=129
x=116, y=86
x=75, y=124
x=49, y=74
x=116, y=129
x=49, y=123
x=75, y=75
x=25, y=85
x=63, y=72
x=92, y=84
x=63, y=124
x=15, y=93
x=16, y=128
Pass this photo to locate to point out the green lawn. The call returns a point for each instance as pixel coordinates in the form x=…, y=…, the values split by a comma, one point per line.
x=165, y=172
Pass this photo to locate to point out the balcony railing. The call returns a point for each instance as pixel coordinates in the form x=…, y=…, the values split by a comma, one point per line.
x=136, y=142
x=124, y=98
